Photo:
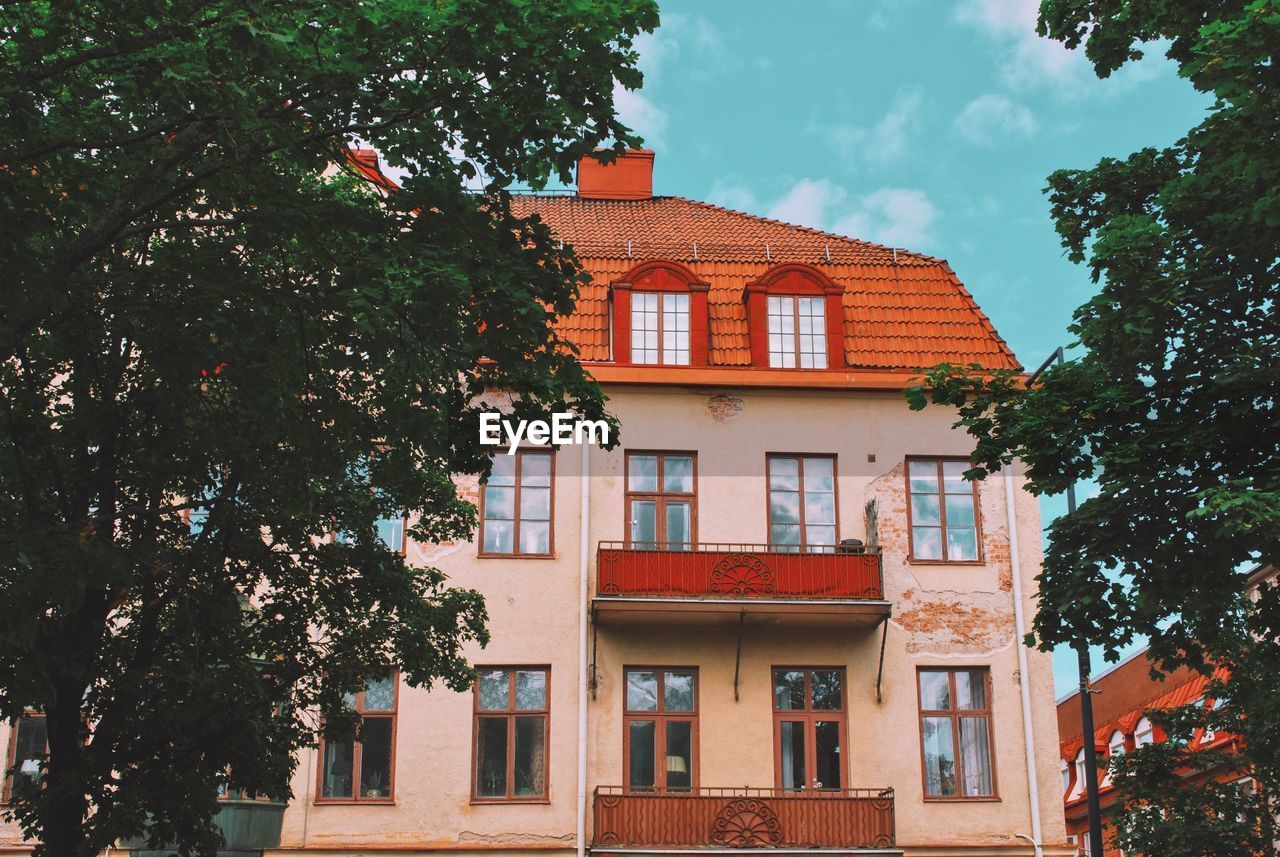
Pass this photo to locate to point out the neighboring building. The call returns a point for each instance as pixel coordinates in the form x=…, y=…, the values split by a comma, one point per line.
x=1123, y=695
x=686, y=617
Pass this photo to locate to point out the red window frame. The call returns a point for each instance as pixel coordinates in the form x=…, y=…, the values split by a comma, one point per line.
x=810, y=716
x=510, y=714
x=795, y=280
x=12, y=749
x=662, y=277
x=939, y=461
x=357, y=752
x=660, y=496
x=835, y=497
x=954, y=714
x=661, y=716
x=516, y=553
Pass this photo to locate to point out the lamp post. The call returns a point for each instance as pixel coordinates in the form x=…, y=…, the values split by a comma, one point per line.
x=1086, y=694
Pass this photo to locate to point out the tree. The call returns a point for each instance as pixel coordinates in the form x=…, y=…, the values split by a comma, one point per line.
x=1171, y=404
x=218, y=348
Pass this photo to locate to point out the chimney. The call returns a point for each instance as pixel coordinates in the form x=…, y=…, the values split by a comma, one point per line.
x=630, y=176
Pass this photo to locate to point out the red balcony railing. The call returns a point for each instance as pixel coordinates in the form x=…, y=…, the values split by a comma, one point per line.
x=743, y=818
x=738, y=571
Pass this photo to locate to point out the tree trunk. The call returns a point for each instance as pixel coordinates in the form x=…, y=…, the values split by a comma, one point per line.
x=65, y=802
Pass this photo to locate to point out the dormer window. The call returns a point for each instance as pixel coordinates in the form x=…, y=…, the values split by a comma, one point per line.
x=797, y=332
x=795, y=319
x=660, y=316
x=660, y=328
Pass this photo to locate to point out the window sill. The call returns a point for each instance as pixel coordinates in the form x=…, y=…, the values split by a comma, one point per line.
x=962, y=800
x=369, y=801
x=960, y=562
x=501, y=801
x=516, y=556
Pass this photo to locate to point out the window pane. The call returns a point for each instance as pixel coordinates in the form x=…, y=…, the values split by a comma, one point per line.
x=499, y=536
x=923, y=476
x=679, y=761
x=535, y=470
x=642, y=691
x=953, y=480
x=971, y=690
x=677, y=691
x=30, y=746
x=975, y=755
x=380, y=694
x=391, y=532
x=784, y=507
x=826, y=742
x=499, y=503
x=819, y=474
x=792, y=752
x=642, y=473
x=819, y=508
x=495, y=690
x=641, y=735
x=677, y=474
x=962, y=544
x=960, y=510
x=939, y=758
x=784, y=534
x=822, y=535
x=504, y=470
x=784, y=474
x=644, y=523
x=535, y=537
x=935, y=691
x=531, y=756
x=679, y=524
x=924, y=510
x=375, y=758
x=826, y=690
x=788, y=690
x=531, y=690
x=491, y=757
x=535, y=504
x=926, y=542
x=336, y=769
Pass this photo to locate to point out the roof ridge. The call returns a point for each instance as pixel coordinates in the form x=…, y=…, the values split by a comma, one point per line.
x=809, y=229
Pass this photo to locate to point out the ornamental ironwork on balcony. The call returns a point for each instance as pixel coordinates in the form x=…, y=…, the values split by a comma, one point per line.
x=721, y=582
x=713, y=819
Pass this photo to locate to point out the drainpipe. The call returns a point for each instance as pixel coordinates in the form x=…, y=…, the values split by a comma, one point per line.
x=584, y=564
x=1024, y=681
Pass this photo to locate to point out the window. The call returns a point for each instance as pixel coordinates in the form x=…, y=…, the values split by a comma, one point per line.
x=955, y=728
x=516, y=505
x=797, y=332
x=802, y=501
x=363, y=770
x=661, y=723
x=1144, y=733
x=1065, y=770
x=28, y=746
x=1115, y=749
x=511, y=733
x=808, y=727
x=1078, y=789
x=391, y=532
x=661, y=500
x=942, y=510
x=660, y=328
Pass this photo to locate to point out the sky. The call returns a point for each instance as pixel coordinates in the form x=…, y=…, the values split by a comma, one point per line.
x=921, y=124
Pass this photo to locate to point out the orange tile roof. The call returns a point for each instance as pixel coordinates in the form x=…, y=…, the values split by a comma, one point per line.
x=902, y=310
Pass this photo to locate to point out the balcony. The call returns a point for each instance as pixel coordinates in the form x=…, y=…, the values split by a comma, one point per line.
x=711, y=819
x=725, y=583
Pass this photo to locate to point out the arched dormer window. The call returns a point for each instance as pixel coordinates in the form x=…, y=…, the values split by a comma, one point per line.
x=1115, y=748
x=795, y=319
x=660, y=316
x=1077, y=787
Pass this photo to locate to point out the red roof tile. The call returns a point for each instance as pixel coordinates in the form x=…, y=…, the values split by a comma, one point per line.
x=902, y=310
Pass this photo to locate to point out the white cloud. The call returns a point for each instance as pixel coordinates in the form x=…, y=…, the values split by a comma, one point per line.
x=641, y=115
x=898, y=217
x=887, y=140
x=808, y=202
x=992, y=117
x=731, y=192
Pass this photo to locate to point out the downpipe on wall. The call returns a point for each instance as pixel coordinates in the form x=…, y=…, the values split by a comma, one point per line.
x=584, y=567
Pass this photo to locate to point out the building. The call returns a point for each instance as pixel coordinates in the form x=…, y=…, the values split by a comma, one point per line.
x=775, y=617
x=1124, y=693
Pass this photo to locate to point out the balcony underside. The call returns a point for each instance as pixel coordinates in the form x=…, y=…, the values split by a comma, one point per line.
x=788, y=612
x=619, y=849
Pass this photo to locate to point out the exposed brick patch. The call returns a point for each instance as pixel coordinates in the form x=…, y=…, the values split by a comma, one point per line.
x=723, y=408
